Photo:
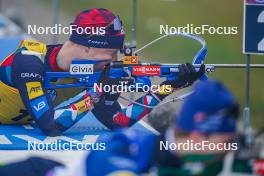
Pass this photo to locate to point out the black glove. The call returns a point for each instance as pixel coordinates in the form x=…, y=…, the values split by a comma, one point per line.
x=110, y=97
x=187, y=76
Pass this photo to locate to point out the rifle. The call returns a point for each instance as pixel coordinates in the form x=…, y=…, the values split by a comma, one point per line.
x=131, y=67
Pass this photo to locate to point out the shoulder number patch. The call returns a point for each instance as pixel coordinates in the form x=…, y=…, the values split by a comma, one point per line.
x=35, y=46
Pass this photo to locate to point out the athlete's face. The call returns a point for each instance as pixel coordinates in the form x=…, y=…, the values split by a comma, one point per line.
x=71, y=51
x=100, y=55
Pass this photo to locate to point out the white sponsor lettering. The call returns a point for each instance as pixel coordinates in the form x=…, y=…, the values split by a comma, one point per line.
x=81, y=69
x=147, y=69
x=40, y=106
x=30, y=75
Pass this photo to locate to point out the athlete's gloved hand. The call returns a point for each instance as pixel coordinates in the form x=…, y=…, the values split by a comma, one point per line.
x=114, y=83
x=187, y=76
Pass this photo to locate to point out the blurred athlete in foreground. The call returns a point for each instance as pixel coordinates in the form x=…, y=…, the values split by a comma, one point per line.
x=204, y=132
x=208, y=116
x=200, y=143
x=22, y=97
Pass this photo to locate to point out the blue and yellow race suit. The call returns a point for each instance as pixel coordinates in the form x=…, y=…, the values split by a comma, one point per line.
x=23, y=98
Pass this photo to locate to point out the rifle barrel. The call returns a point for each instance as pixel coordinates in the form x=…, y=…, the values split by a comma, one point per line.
x=212, y=67
x=175, y=67
x=222, y=65
x=120, y=64
x=236, y=65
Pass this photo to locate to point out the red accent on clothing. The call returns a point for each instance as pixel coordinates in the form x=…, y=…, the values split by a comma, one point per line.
x=143, y=114
x=146, y=110
x=8, y=61
x=94, y=18
x=73, y=107
x=86, y=95
x=259, y=166
x=52, y=59
x=145, y=100
x=121, y=119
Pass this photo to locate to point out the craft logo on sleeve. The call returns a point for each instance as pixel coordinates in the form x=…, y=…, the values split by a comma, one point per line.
x=34, y=89
x=83, y=105
x=39, y=106
x=146, y=70
x=130, y=60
